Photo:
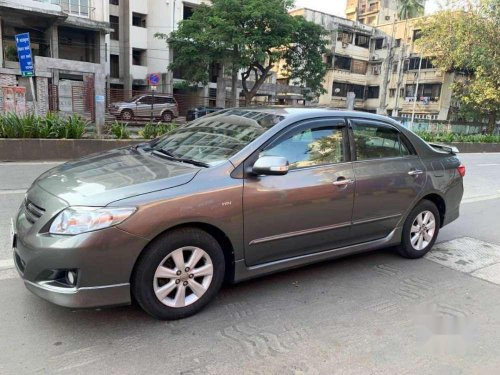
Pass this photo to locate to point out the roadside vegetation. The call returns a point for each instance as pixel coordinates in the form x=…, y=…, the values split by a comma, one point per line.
x=454, y=137
x=48, y=126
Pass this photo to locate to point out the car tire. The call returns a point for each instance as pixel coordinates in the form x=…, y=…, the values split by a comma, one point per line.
x=420, y=230
x=167, y=116
x=164, y=292
x=127, y=115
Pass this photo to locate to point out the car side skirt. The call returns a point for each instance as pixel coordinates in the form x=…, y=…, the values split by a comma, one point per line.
x=243, y=272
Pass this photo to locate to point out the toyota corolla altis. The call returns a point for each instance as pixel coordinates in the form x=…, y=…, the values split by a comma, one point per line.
x=233, y=195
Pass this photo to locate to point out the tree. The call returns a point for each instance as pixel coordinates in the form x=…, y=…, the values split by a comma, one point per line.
x=467, y=42
x=410, y=9
x=252, y=37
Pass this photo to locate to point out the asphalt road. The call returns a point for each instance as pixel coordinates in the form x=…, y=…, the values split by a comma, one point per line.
x=373, y=313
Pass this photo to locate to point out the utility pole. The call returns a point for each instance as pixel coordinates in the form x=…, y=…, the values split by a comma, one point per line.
x=383, y=94
x=416, y=92
x=333, y=35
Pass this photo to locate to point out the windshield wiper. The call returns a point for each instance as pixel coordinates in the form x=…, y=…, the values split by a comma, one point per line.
x=171, y=156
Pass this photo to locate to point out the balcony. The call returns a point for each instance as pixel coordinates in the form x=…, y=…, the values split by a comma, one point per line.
x=422, y=106
x=78, y=8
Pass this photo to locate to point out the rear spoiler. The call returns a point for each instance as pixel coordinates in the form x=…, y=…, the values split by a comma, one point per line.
x=449, y=149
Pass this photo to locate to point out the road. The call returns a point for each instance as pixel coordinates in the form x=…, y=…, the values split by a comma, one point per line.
x=373, y=313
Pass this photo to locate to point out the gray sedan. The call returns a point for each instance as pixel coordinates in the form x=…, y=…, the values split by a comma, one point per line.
x=233, y=195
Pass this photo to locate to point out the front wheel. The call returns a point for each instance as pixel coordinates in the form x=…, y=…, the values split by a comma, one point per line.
x=178, y=274
x=420, y=230
x=167, y=116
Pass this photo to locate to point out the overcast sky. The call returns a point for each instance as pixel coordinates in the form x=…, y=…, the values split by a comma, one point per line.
x=337, y=7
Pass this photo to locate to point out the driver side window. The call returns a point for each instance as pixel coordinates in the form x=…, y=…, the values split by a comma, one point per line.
x=310, y=147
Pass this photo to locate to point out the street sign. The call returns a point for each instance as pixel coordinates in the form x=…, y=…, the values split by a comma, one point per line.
x=154, y=79
x=24, y=54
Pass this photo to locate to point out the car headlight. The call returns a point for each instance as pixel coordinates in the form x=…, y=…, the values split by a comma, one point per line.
x=76, y=220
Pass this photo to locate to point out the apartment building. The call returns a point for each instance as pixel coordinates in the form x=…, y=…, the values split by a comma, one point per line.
x=371, y=12
x=68, y=41
x=381, y=66
x=135, y=52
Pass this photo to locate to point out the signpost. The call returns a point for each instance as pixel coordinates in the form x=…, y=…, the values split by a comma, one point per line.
x=25, y=58
x=154, y=80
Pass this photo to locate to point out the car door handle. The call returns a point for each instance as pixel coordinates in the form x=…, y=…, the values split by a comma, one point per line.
x=343, y=182
x=415, y=172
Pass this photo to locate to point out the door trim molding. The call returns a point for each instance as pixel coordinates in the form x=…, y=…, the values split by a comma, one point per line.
x=298, y=233
x=366, y=221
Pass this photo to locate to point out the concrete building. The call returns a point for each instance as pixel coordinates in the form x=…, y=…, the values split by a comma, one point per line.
x=134, y=50
x=381, y=66
x=371, y=12
x=69, y=44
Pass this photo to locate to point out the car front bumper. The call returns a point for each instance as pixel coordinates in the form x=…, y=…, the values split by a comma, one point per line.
x=103, y=261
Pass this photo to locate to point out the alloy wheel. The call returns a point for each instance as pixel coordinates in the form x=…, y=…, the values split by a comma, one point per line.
x=422, y=230
x=183, y=276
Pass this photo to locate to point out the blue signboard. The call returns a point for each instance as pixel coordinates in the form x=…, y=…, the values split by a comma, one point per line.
x=24, y=54
x=154, y=79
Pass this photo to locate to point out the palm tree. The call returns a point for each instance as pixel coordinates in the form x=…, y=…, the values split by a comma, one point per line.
x=410, y=9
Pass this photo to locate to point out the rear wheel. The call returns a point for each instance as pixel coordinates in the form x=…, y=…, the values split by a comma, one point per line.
x=420, y=230
x=127, y=115
x=178, y=274
x=167, y=116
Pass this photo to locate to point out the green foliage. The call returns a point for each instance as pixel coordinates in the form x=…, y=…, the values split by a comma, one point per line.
x=49, y=126
x=446, y=137
x=256, y=36
x=410, y=9
x=466, y=42
x=152, y=130
x=120, y=130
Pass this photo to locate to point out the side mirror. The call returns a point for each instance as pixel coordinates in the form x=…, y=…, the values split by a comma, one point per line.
x=270, y=165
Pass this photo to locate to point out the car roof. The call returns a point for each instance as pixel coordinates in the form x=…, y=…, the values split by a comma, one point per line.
x=289, y=112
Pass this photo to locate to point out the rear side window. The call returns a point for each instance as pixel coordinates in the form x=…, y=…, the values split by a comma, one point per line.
x=377, y=142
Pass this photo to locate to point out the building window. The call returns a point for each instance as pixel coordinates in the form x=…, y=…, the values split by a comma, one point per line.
x=342, y=62
x=138, y=56
x=427, y=92
x=359, y=66
x=379, y=43
x=114, y=66
x=138, y=20
x=114, y=2
x=340, y=89
x=362, y=41
x=371, y=20
x=344, y=37
x=373, y=92
x=392, y=93
x=187, y=12
x=114, y=23
x=394, y=67
x=417, y=34
x=398, y=43
x=376, y=69
x=414, y=62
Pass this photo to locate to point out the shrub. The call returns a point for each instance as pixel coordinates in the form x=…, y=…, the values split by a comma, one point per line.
x=48, y=126
x=455, y=137
x=152, y=130
x=120, y=130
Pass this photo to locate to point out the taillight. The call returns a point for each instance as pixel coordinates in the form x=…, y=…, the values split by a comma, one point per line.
x=461, y=170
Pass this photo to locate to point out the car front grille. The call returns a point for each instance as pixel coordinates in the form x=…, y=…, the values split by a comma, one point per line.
x=32, y=211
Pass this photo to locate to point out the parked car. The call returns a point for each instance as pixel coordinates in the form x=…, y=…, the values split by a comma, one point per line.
x=163, y=106
x=234, y=195
x=198, y=112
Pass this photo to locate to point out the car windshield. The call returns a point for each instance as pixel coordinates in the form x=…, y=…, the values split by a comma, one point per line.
x=214, y=138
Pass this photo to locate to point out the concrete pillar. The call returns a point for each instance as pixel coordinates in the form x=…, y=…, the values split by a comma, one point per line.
x=42, y=95
x=52, y=34
x=100, y=88
x=1, y=44
x=125, y=48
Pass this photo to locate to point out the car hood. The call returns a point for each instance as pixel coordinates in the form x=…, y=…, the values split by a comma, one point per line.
x=107, y=177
